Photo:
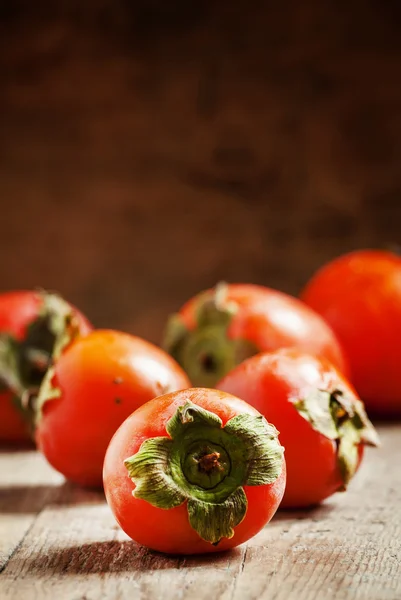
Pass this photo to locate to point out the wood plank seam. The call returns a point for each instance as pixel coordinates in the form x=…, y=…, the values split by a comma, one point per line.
x=240, y=571
x=18, y=546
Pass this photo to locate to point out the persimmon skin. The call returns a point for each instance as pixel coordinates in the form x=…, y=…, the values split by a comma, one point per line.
x=359, y=295
x=13, y=429
x=103, y=378
x=271, y=319
x=18, y=309
x=169, y=531
x=270, y=382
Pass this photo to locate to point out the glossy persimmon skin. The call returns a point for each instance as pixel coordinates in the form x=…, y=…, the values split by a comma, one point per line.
x=103, y=378
x=17, y=311
x=271, y=382
x=169, y=530
x=359, y=294
x=271, y=319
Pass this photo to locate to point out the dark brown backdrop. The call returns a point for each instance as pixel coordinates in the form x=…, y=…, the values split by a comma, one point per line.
x=148, y=149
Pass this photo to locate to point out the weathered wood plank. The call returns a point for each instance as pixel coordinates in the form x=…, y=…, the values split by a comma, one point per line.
x=347, y=549
x=75, y=549
x=27, y=483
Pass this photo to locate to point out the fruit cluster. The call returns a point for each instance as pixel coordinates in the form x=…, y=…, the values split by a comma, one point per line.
x=257, y=399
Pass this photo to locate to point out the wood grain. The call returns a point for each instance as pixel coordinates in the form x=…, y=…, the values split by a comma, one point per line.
x=27, y=483
x=67, y=546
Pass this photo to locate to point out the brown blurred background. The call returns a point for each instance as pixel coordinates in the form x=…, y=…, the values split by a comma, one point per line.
x=149, y=149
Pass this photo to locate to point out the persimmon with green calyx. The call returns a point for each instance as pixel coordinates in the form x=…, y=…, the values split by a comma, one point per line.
x=96, y=383
x=194, y=471
x=34, y=327
x=322, y=422
x=219, y=328
x=359, y=294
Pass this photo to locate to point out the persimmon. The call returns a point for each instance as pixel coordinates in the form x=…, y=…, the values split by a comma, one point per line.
x=359, y=295
x=95, y=384
x=322, y=422
x=194, y=471
x=34, y=325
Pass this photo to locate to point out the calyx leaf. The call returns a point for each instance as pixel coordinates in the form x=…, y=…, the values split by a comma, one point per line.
x=10, y=377
x=315, y=408
x=149, y=469
x=191, y=414
x=47, y=391
x=343, y=419
x=206, y=465
x=347, y=453
x=214, y=308
x=60, y=324
x=61, y=321
x=264, y=456
x=216, y=521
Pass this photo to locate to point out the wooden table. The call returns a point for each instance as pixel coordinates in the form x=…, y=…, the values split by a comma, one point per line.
x=60, y=542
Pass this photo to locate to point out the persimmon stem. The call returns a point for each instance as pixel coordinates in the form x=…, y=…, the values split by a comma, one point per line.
x=209, y=462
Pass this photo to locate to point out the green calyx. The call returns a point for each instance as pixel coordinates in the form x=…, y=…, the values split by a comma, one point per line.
x=24, y=363
x=206, y=352
x=206, y=465
x=342, y=419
